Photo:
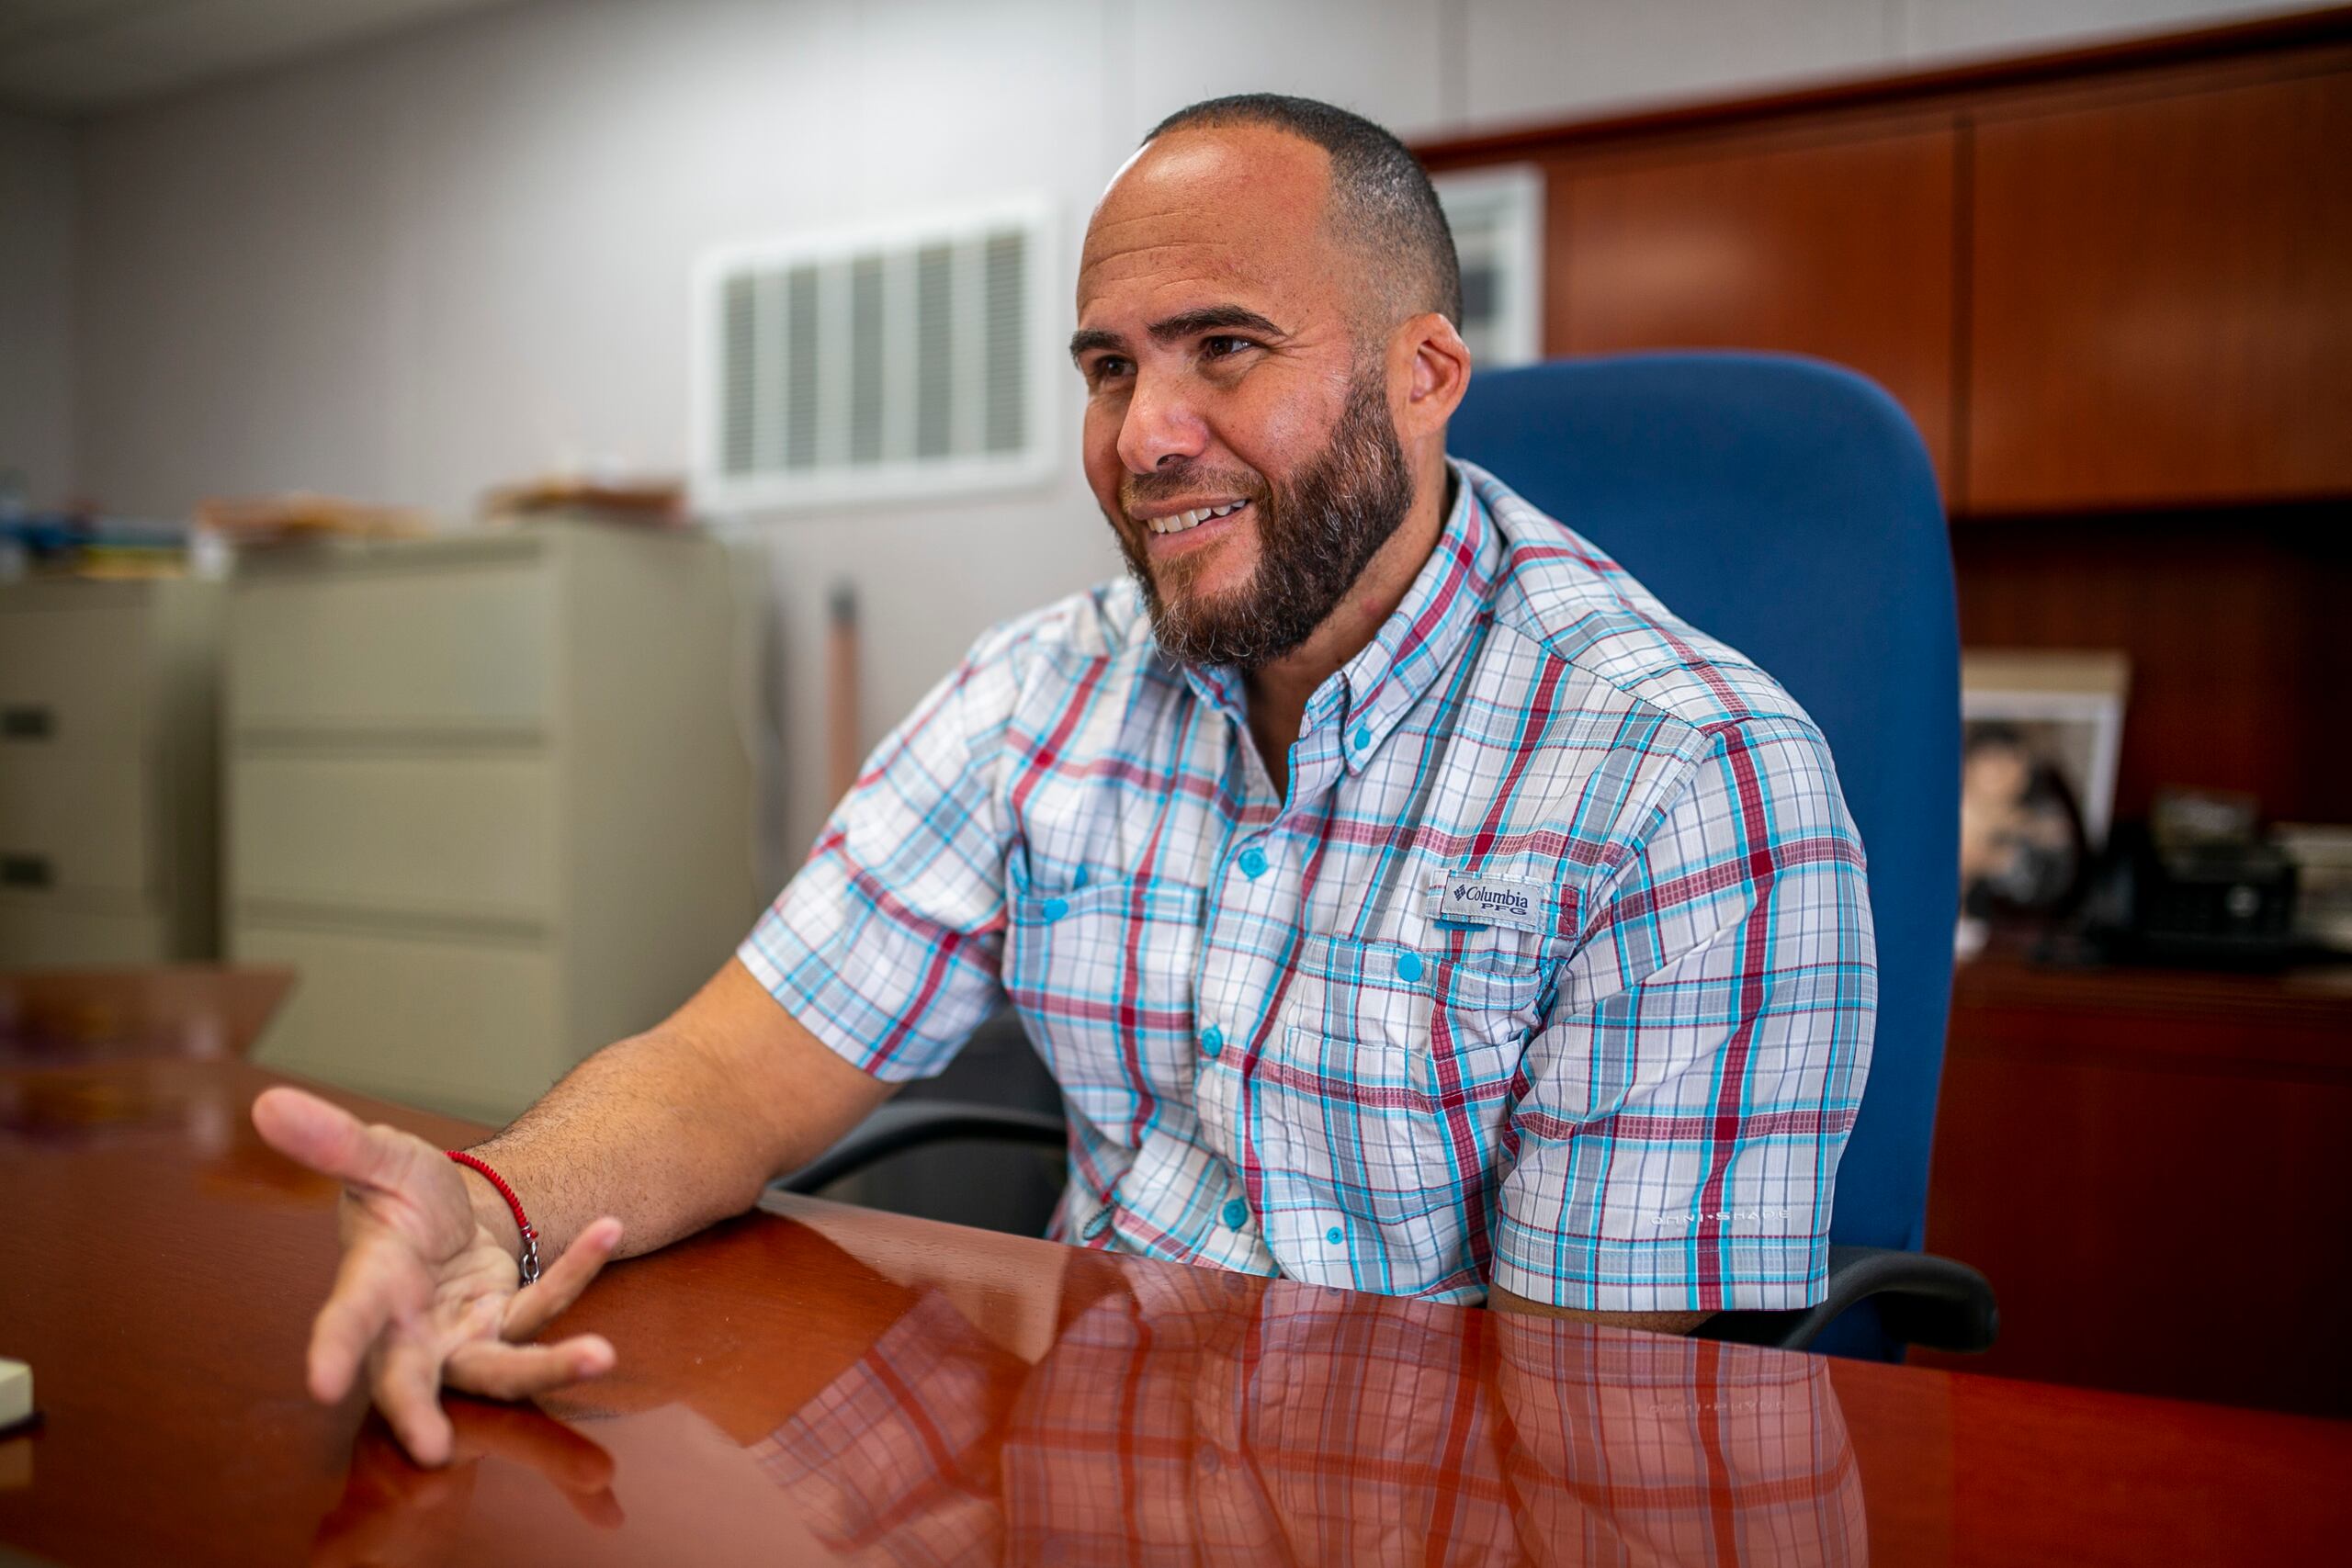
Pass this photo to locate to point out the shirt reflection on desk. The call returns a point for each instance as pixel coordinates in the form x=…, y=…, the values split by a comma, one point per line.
x=1163, y=1426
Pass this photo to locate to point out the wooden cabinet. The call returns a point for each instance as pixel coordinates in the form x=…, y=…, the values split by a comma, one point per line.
x=1837, y=242
x=2160, y=287
x=2149, y=1166
x=2114, y=278
x=488, y=797
x=107, y=769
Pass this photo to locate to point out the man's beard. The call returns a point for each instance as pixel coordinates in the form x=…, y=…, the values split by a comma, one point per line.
x=1315, y=534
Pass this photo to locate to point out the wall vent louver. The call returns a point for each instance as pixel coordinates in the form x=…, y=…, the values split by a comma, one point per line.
x=903, y=360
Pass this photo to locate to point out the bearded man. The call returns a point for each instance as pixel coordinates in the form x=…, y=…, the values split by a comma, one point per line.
x=1403, y=899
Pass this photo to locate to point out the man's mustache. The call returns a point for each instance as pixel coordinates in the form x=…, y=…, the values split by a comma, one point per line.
x=1169, y=484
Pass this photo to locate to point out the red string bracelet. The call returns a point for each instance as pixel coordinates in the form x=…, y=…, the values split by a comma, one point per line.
x=522, y=1222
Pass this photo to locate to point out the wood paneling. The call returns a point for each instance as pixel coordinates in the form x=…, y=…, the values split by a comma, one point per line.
x=1836, y=244
x=2149, y=1166
x=2121, y=284
x=2160, y=312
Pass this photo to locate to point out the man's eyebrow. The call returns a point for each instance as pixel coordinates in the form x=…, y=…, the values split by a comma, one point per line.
x=1214, y=318
x=1189, y=323
x=1087, y=338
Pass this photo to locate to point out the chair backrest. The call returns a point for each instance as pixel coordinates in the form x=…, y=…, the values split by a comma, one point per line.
x=1787, y=507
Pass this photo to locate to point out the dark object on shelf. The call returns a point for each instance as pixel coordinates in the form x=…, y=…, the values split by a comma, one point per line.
x=2198, y=885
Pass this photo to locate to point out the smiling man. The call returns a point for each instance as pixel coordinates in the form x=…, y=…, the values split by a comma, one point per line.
x=1403, y=897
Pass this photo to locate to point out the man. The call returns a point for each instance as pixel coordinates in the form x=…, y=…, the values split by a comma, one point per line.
x=1403, y=897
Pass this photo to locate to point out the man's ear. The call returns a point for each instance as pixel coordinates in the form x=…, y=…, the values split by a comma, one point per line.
x=1430, y=365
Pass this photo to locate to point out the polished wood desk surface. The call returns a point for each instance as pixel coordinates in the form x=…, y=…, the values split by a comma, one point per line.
x=818, y=1382
x=193, y=1012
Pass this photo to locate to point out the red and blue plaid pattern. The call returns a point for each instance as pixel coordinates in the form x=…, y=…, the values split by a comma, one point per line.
x=1553, y=969
x=1172, y=1423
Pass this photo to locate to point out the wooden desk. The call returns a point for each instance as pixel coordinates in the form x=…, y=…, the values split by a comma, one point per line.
x=196, y=1011
x=821, y=1381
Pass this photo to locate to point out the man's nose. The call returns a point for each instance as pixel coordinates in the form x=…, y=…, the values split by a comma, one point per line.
x=1158, y=427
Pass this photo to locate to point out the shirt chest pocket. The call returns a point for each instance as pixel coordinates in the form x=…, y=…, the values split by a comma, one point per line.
x=1102, y=978
x=1389, y=1076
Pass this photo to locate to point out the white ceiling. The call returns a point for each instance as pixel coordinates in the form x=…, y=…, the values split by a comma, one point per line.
x=66, y=57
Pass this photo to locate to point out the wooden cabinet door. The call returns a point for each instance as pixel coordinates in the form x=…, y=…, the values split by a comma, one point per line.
x=2161, y=298
x=1838, y=242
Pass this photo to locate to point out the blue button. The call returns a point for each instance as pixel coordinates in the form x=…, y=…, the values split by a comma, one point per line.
x=1097, y=1226
x=1364, y=736
x=1408, y=967
x=1335, y=1235
x=1056, y=908
x=1254, y=862
x=1212, y=1040
x=1237, y=1214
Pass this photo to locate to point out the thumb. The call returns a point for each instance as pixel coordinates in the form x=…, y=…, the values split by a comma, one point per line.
x=329, y=1139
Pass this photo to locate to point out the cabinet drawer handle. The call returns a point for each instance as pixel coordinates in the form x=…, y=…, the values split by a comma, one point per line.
x=26, y=721
x=24, y=870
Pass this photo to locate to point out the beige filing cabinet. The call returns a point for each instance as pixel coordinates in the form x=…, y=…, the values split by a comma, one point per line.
x=108, y=798
x=488, y=795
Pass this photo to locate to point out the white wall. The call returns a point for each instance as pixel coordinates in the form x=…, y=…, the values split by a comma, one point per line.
x=460, y=256
x=36, y=305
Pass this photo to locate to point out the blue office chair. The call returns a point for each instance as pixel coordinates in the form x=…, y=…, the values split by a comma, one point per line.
x=1786, y=507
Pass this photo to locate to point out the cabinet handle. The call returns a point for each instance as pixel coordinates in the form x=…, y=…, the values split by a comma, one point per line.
x=26, y=721
x=24, y=870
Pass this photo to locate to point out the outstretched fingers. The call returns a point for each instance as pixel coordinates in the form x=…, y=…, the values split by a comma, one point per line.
x=519, y=1372
x=540, y=1303
x=377, y=1280
x=406, y=1376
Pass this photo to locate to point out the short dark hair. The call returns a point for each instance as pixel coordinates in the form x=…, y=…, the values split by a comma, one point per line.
x=1380, y=198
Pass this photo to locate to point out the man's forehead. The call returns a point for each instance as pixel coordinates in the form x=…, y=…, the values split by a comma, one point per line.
x=1227, y=208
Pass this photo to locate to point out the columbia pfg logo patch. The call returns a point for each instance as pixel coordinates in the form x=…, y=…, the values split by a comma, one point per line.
x=1484, y=901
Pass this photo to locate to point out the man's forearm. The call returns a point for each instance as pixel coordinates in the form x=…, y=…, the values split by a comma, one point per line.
x=639, y=1131
x=675, y=1128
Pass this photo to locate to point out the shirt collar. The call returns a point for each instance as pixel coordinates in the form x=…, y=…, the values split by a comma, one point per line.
x=1416, y=645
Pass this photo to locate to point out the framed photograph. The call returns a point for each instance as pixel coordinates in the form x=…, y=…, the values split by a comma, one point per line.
x=1496, y=216
x=2064, y=710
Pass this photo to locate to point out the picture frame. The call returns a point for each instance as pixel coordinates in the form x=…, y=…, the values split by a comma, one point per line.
x=2064, y=705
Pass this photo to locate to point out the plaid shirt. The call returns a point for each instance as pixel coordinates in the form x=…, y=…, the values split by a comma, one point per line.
x=1172, y=1422
x=1553, y=969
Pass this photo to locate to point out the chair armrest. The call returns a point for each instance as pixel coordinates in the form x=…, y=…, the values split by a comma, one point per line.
x=1922, y=1300
x=915, y=1123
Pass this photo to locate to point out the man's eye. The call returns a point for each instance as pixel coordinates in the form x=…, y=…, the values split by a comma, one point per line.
x=1109, y=368
x=1224, y=347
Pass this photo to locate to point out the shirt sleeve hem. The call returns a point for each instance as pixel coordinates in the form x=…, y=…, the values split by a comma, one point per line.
x=1778, y=1277
x=806, y=1011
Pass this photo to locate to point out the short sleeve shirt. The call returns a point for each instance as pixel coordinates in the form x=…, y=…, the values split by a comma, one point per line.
x=1552, y=969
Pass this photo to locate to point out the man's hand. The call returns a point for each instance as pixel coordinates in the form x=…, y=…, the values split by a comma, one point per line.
x=426, y=1293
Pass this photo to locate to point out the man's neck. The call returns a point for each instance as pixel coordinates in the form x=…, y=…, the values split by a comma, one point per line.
x=1278, y=691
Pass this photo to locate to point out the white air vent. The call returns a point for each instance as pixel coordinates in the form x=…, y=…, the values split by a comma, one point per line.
x=909, y=359
x=1496, y=216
